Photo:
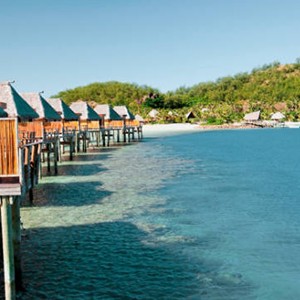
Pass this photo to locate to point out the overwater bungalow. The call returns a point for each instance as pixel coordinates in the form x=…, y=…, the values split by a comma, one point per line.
x=70, y=120
x=110, y=118
x=47, y=114
x=125, y=114
x=16, y=107
x=88, y=118
x=139, y=119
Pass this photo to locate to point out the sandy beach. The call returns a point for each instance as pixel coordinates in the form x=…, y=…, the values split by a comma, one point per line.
x=168, y=129
x=153, y=130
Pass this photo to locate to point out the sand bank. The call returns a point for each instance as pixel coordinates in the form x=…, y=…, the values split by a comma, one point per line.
x=180, y=128
x=168, y=129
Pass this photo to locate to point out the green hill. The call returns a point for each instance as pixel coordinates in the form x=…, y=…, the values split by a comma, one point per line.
x=270, y=88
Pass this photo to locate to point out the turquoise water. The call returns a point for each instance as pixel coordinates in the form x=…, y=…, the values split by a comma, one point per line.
x=208, y=215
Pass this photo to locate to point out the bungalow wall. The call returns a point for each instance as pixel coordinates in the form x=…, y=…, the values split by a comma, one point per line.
x=71, y=125
x=87, y=124
x=8, y=149
x=113, y=123
x=33, y=129
x=120, y=123
x=135, y=123
x=53, y=126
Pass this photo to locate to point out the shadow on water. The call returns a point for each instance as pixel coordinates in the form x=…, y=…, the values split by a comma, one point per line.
x=102, y=261
x=112, y=260
x=83, y=164
x=69, y=194
x=76, y=184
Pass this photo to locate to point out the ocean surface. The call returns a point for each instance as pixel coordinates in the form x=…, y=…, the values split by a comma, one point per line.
x=207, y=215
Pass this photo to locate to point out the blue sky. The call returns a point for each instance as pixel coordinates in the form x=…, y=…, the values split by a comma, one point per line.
x=53, y=45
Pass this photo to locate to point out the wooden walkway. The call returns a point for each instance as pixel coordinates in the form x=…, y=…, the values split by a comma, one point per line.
x=21, y=161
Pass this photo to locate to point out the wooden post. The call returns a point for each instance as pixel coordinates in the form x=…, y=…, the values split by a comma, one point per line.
x=141, y=128
x=48, y=157
x=128, y=131
x=124, y=128
x=108, y=137
x=31, y=178
x=55, y=152
x=38, y=162
x=118, y=135
x=84, y=142
x=103, y=137
x=16, y=227
x=77, y=141
x=71, y=146
x=8, y=251
x=98, y=138
x=59, y=156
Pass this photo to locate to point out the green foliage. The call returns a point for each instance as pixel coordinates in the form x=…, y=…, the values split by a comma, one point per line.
x=112, y=92
x=225, y=100
x=214, y=121
x=154, y=102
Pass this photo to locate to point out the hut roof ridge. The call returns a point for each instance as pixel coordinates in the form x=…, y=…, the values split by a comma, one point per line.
x=41, y=106
x=62, y=108
x=16, y=106
x=87, y=113
x=108, y=111
x=122, y=110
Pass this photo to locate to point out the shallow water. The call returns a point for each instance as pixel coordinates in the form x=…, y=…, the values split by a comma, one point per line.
x=209, y=215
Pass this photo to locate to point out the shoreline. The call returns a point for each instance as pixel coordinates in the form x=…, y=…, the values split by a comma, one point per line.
x=152, y=130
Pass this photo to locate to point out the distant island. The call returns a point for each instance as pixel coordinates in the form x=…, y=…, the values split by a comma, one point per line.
x=271, y=88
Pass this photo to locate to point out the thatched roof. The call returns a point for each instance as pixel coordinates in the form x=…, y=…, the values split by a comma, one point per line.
x=108, y=112
x=65, y=112
x=254, y=116
x=13, y=104
x=41, y=106
x=139, y=118
x=124, y=111
x=278, y=116
x=84, y=111
x=2, y=113
x=153, y=113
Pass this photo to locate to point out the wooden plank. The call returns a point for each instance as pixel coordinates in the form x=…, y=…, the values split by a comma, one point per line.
x=10, y=189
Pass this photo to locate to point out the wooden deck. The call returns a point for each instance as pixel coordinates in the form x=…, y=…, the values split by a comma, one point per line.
x=21, y=156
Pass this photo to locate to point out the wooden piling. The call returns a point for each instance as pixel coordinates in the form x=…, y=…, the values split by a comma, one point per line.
x=55, y=152
x=16, y=228
x=8, y=250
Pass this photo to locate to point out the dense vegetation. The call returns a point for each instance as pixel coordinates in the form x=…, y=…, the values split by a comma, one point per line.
x=270, y=88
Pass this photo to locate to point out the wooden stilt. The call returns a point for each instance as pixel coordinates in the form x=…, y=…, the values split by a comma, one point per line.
x=118, y=135
x=103, y=137
x=55, y=152
x=108, y=137
x=16, y=227
x=8, y=251
x=72, y=146
x=48, y=157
